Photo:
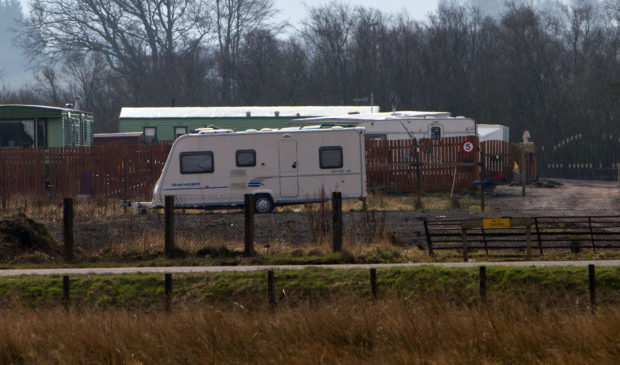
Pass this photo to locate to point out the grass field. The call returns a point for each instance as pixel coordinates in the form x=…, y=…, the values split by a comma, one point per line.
x=349, y=331
x=423, y=315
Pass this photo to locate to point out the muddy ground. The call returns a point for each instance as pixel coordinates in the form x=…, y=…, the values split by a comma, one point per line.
x=578, y=198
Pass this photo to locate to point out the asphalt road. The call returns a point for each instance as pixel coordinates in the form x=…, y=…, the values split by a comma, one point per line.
x=213, y=269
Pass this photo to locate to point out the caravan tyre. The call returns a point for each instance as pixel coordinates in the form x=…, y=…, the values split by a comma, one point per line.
x=263, y=204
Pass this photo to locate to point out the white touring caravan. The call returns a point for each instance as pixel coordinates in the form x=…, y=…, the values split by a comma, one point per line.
x=400, y=125
x=216, y=167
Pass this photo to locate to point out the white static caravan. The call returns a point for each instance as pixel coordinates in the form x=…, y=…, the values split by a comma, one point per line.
x=401, y=124
x=216, y=167
x=493, y=132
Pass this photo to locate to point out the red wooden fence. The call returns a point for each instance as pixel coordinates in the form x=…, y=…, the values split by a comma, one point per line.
x=22, y=172
x=129, y=171
x=112, y=170
x=391, y=165
x=500, y=156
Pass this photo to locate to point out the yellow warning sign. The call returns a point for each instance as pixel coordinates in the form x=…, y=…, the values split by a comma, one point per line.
x=496, y=223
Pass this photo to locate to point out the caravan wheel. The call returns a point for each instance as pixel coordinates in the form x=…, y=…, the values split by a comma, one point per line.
x=263, y=204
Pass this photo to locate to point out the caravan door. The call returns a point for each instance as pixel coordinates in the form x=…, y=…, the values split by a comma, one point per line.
x=289, y=177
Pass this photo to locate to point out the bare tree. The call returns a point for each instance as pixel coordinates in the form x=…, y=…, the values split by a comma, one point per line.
x=327, y=33
x=295, y=73
x=137, y=38
x=233, y=20
x=259, y=73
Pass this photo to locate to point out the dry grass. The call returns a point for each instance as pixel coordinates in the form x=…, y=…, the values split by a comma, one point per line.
x=352, y=330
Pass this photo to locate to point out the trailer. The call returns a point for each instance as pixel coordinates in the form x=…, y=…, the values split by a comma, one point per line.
x=400, y=125
x=215, y=168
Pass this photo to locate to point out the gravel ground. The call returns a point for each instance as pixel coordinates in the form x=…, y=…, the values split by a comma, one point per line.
x=402, y=227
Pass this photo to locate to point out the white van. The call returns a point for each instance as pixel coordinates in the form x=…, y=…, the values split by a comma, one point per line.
x=216, y=167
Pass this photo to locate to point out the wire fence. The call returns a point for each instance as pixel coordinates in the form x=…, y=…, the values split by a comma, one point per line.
x=105, y=229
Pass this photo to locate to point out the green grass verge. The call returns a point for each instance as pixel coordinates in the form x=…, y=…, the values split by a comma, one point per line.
x=557, y=286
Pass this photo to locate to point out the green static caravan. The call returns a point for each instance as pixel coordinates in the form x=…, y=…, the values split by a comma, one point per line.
x=27, y=126
x=168, y=123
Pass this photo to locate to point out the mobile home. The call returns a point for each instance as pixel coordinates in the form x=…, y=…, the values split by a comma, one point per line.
x=400, y=125
x=216, y=167
x=116, y=138
x=27, y=126
x=168, y=123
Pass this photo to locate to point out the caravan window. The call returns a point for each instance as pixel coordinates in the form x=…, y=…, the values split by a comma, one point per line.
x=330, y=157
x=196, y=162
x=436, y=132
x=246, y=158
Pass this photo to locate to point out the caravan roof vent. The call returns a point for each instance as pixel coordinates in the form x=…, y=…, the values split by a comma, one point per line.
x=212, y=130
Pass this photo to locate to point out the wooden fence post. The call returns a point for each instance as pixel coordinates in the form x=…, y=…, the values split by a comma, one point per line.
x=125, y=187
x=373, y=283
x=482, y=177
x=418, y=201
x=4, y=184
x=484, y=240
x=249, y=224
x=591, y=234
x=538, y=236
x=523, y=172
x=592, y=284
x=483, y=283
x=429, y=241
x=65, y=292
x=337, y=221
x=168, y=291
x=464, y=237
x=67, y=230
x=271, y=289
x=169, y=219
x=528, y=241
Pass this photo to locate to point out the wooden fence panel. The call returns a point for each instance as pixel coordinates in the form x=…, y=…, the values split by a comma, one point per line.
x=22, y=172
x=128, y=171
x=121, y=171
x=391, y=165
x=500, y=156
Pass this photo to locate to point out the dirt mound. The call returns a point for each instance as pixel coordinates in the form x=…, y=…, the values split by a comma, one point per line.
x=21, y=235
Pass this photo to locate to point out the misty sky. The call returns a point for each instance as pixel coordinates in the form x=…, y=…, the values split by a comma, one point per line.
x=294, y=10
